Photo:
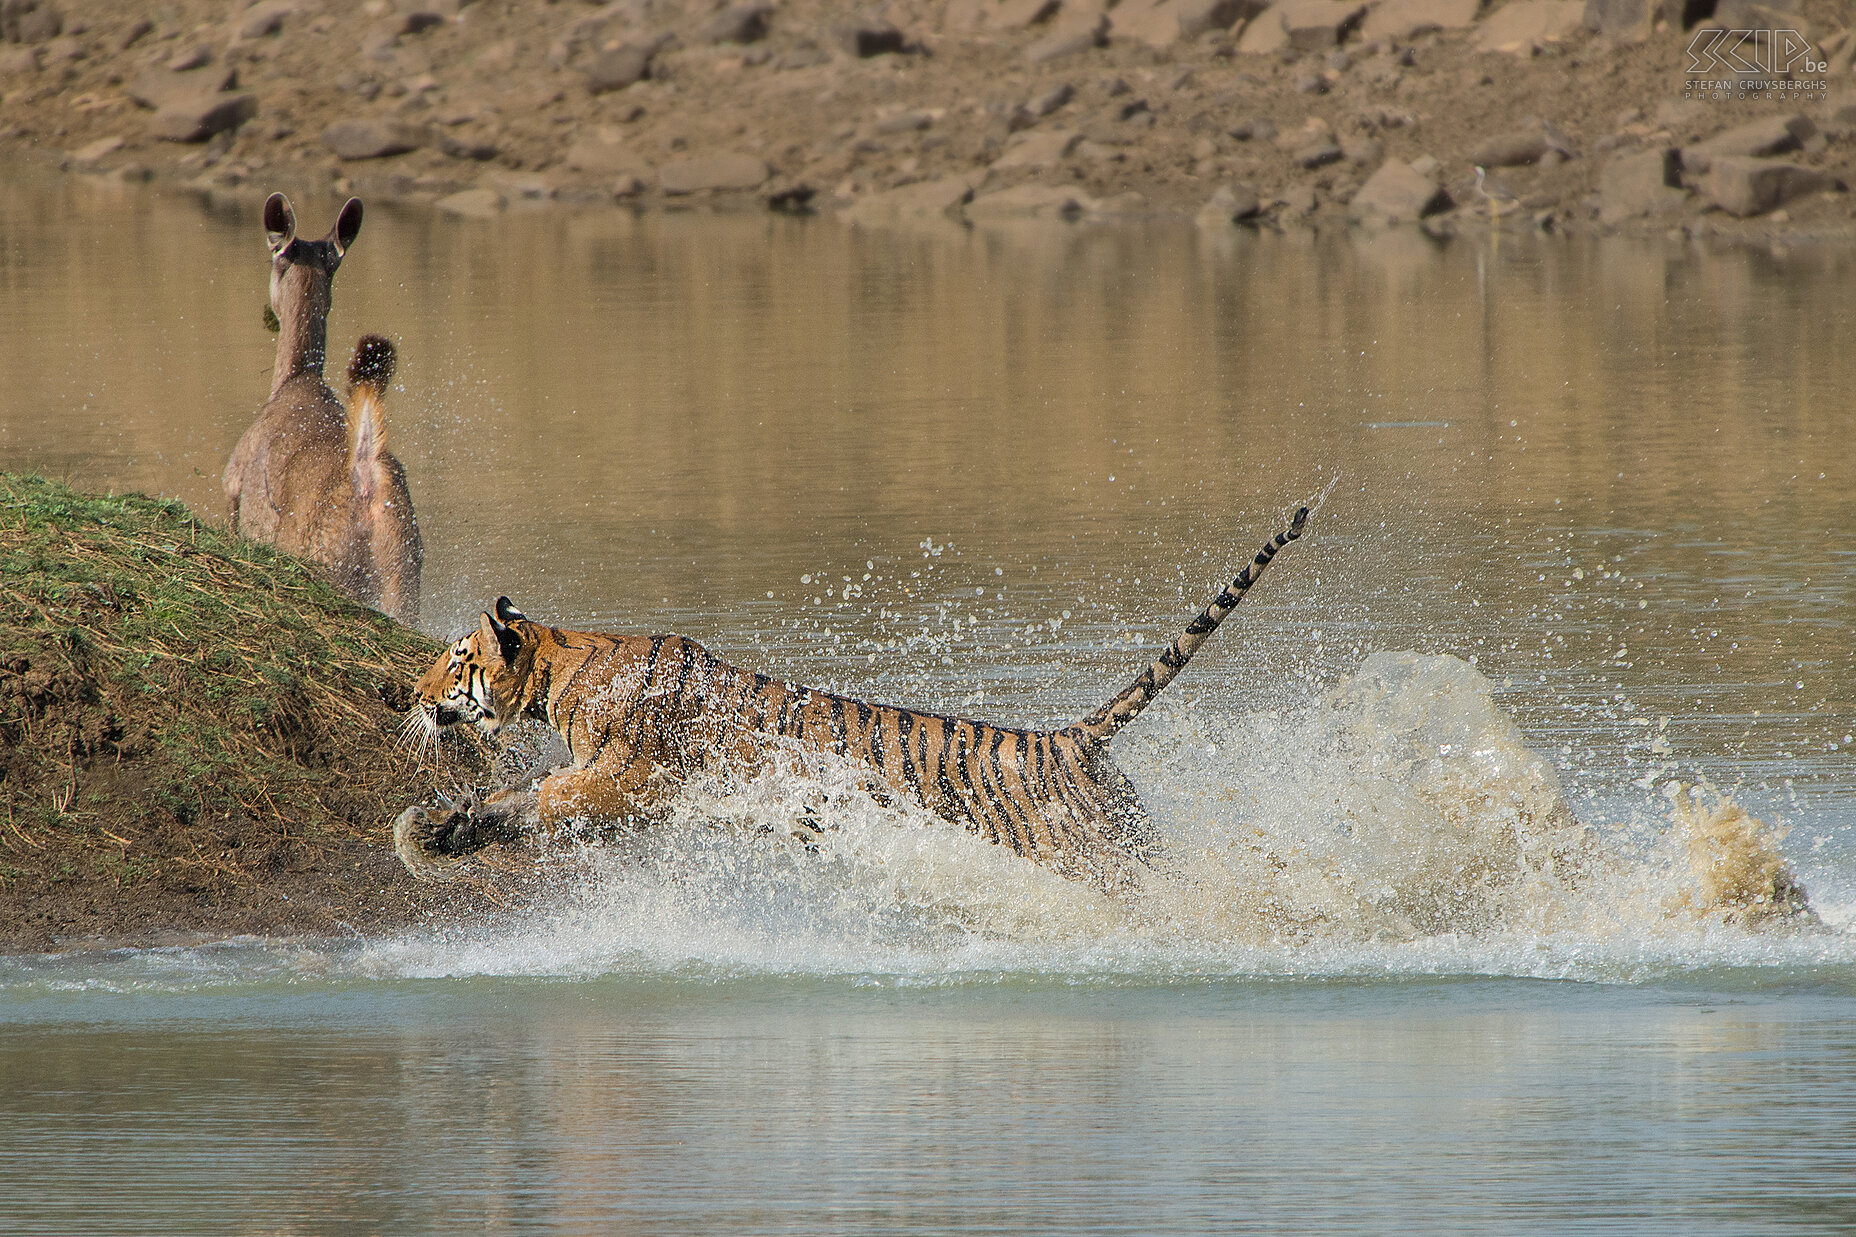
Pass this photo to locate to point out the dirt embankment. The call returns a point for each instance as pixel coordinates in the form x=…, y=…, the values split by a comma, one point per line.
x=1592, y=115
x=198, y=735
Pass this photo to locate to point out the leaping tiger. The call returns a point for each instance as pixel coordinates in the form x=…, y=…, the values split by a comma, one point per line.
x=641, y=713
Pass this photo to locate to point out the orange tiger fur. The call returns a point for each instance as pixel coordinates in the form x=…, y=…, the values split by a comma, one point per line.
x=641, y=713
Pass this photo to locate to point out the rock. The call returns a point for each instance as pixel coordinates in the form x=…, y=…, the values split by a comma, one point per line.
x=618, y=68
x=738, y=23
x=1400, y=20
x=1162, y=23
x=19, y=62
x=923, y=200
x=96, y=151
x=1427, y=166
x=1523, y=27
x=478, y=149
x=1030, y=201
x=1633, y=186
x=195, y=120
x=712, y=172
x=267, y=18
x=157, y=88
x=189, y=58
x=1398, y=193
x=1038, y=150
x=604, y=155
x=1050, y=100
x=1257, y=128
x=1507, y=150
x=805, y=56
x=472, y=203
x=901, y=122
x=1319, y=155
x=1022, y=14
x=1070, y=39
x=1230, y=204
x=1365, y=152
x=30, y=21
x=1773, y=135
x=1625, y=21
x=871, y=38
x=417, y=22
x=1264, y=35
x=1317, y=25
x=1745, y=187
x=135, y=32
x=371, y=139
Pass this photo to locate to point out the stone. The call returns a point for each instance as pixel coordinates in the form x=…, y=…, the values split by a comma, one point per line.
x=1427, y=166
x=1633, y=186
x=30, y=21
x=262, y=20
x=187, y=59
x=1523, y=27
x=1507, y=150
x=1263, y=35
x=1038, y=150
x=871, y=38
x=1623, y=21
x=1030, y=201
x=1400, y=20
x=195, y=120
x=417, y=22
x=603, y=155
x=738, y=23
x=1318, y=155
x=1317, y=25
x=617, y=69
x=902, y=122
x=927, y=199
x=1022, y=14
x=1744, y=187
x=157, y=88
x=96, y=151
x=718, y=172
x=19, y=62
x=1230, y=204
x=1050, y=100
x=472, y=203
x=371, y=139
x=1774, y=135
x=1162, y=23
x=1257, y=128
x=477, y=149
x=136, y=31
x=1365, y=152
x=1070, y=38
x=805, y=56
x=1398, y=193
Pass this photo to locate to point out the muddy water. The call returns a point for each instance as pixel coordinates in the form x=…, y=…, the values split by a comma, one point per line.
x=1448, y=946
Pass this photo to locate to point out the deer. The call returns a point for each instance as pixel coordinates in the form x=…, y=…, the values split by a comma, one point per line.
x=311, y=475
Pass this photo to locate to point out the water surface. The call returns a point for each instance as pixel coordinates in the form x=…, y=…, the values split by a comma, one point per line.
x=1447, y=948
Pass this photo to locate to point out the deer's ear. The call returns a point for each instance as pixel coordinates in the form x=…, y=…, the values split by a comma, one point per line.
x=348, y=225
x=279, y=222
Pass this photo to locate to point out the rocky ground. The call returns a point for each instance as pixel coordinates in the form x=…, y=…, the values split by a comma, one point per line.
x=1584, y=111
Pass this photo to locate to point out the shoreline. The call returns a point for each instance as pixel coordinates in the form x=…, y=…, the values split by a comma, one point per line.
x=966, y=109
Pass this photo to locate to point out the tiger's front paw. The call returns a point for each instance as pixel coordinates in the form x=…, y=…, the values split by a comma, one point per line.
x=424, y=839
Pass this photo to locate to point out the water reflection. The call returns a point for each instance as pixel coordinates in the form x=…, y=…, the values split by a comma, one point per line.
x=1615, y=472
x=619, y=1106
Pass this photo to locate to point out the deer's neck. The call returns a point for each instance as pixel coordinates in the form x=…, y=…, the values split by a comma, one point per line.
x=302, y=311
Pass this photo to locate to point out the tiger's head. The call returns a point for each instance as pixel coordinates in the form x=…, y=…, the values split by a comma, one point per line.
x=479, y=678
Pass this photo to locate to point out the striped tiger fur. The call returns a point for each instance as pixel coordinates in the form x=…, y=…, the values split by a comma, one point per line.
x=641, y=713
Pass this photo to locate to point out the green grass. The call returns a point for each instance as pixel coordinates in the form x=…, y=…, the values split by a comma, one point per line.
x=167, y=688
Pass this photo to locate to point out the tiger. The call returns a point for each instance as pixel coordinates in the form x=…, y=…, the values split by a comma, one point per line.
x=641, y=714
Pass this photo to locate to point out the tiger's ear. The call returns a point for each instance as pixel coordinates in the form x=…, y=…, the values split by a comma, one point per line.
x=508, y=643
x=506, y=611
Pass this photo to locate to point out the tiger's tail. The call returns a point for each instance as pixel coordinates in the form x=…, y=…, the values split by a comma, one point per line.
x=1125, y=707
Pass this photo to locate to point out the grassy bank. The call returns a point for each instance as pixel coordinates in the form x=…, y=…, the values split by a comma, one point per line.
x=199, y=733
